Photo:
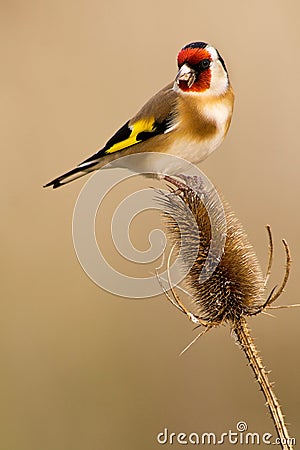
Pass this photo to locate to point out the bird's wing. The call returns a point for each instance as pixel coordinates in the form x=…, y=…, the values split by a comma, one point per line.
x=156, y=117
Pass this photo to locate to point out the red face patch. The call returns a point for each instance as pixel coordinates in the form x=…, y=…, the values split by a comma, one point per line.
x=193, y=56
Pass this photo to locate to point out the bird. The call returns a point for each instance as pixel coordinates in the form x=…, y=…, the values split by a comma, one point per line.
x=188, y=118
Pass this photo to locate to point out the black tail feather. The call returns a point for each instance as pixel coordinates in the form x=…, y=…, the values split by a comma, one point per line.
x=63, y=179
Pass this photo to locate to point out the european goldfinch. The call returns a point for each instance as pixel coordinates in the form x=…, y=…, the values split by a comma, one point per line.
x=188, y=118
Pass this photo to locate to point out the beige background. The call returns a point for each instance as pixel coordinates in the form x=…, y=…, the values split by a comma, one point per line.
x=80, y=368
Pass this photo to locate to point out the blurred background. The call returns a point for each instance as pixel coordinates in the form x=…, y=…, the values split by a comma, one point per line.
x=81, y=368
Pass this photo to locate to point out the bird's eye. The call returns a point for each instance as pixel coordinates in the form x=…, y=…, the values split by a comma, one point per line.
x=204, y=64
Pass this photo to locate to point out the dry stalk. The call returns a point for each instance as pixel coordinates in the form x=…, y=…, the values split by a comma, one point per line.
x=244, y=338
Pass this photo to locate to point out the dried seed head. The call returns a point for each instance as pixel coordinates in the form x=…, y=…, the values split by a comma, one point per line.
x=236, y=285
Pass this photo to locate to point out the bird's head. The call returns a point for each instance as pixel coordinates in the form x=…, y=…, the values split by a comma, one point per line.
x=201, y=70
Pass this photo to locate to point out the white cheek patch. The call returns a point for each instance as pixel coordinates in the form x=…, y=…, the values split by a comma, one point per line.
x=219, y=79
x=213, y=53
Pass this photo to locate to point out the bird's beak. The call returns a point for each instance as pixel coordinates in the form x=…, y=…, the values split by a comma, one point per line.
x=186, y=74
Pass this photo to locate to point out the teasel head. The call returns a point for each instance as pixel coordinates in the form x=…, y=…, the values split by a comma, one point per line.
x=225, y=281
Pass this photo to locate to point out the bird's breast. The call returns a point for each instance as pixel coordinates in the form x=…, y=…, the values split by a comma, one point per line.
x=219, y=113
x=201, y=129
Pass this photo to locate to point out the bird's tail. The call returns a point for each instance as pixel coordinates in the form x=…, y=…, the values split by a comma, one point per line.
x=79, y=171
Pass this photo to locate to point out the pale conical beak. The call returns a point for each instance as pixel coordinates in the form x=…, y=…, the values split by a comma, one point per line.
x=186, y=74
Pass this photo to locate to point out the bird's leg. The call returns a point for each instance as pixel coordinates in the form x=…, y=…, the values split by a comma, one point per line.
x=180, y=186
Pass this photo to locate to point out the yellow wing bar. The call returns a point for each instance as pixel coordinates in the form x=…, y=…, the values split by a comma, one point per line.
x=140, y=126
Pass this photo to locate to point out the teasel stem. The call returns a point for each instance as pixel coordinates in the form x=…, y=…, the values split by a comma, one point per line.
x=242, y=332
